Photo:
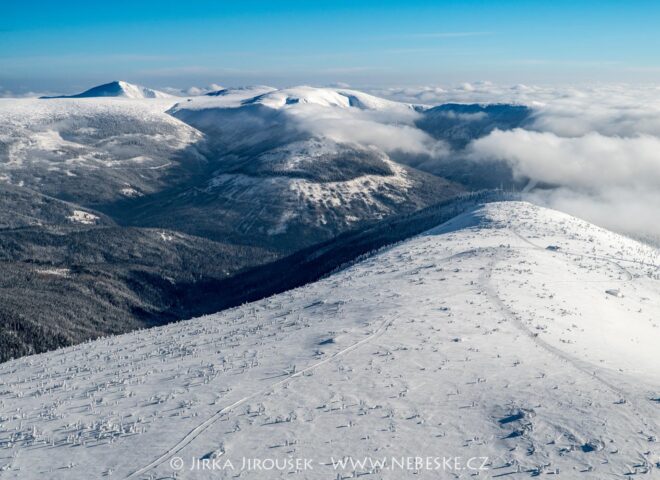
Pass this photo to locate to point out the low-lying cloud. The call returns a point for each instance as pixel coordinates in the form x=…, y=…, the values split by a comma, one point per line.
x=600, y=148
x=592, y=162
x=390, y=131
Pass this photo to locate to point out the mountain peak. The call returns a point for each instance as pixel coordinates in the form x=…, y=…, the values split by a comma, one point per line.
x=117, y=88
x=325, y=97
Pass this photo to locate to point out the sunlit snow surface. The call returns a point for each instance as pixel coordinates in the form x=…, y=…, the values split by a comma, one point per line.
x=473, y=340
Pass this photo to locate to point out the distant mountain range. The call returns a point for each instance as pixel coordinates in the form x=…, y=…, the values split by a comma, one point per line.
x=133, y=203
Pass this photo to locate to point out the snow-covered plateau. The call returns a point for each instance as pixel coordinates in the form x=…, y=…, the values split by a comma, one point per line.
x=514, y=340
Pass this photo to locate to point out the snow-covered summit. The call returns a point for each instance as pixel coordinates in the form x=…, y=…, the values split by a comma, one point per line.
x=325, y=97
x=293, y=97
x=473, y=340
x=118, y=88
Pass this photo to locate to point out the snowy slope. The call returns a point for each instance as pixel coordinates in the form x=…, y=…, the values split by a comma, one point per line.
x=297, y=194
x=472, y=340
x=92, y=149
x=118, y=88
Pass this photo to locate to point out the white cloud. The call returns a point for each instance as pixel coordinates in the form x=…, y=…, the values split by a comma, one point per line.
x=29, y=94
x=628, y=210
x=591, y=162
x=600, y=147
x=192, y=91
x=391, y=131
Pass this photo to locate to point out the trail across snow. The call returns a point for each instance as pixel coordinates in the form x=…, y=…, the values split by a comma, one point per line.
x=211, y=420
x=472, y=340
x=581, y=366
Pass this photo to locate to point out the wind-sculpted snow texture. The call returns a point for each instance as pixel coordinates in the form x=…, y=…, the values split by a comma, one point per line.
x=512, y=332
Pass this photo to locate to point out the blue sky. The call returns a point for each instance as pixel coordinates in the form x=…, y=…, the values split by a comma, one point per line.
x=67, y=46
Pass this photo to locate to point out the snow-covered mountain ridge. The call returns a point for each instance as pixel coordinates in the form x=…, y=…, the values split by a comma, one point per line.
x=301, y=95
x=513, y=332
